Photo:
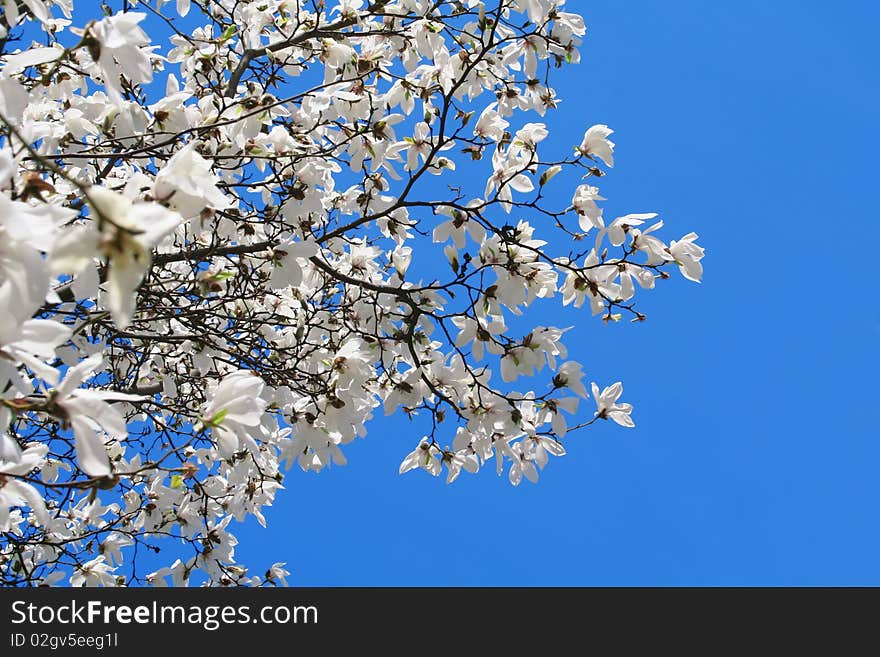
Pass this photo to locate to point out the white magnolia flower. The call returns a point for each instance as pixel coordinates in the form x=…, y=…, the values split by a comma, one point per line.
x=649, y=244
x=480, y=334
x=522, y=464
x=277, y=573
x=188, y=185
x=111, y=547
x=595, y=283
x=597, y=144
x=608, y=408
x=337, y=54
x=584, y=203
x=424, y=456
x=178, y=571
x=539, y=449
x=687, y=256
x=92, y=419
x=418, y=146
x=14, y=491
x=96, y=572
x=234, y=410
x=569, y=376
x=8, y=167
x=23, y=281
x=567, y=25
x=554, y=408
x=33, y=57
x=508, y=177
x=457, y=228
x=287, y=268
x=121, y=51
x=618, y=229
x=528, y=137
x=124, y=233
x=455, y=462
x=311, y=447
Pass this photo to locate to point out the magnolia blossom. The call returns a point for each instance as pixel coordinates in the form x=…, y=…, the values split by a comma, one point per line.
x=287, y=263
x=617, y=230
x=424, y=456
x=419, y=146
x=234, y=410
x=33, y=57
x=13, y=99
x=490, y=125
x=687, y=255
x=570, y=375
x=312, y=448
x=584, y=203
x=188, y=184
x=529, y=136
x=597, y=144
x=541, y=448
x=15, y=464
x=480, y=335
x=179, y=573
x=277, y=574
x=558, y=423
x=23, y=282
x=455, y=462
x=92, y=419
x=457, y=229
x=608, y=408
x=522, y=465
x=112, y=547
x=508, y=177
x=124, y=233
x=120, y=51
x=96, y=572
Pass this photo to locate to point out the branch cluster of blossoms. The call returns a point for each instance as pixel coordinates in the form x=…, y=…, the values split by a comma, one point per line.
x=216, y=263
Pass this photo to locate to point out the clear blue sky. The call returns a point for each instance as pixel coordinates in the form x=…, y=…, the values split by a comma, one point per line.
x=756, y=452
x=756, y=455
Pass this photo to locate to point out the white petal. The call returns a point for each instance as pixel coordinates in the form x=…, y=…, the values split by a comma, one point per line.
x=76, y=375
x=411, y=462
x=20, y=61
x=41, y=336
x=124, y=275
x=30, y=495
x=154, y=220
x=91, y=456
x=74, y=250
x=108, y=203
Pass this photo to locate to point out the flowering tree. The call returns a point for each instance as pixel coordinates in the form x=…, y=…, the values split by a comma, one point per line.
x=206, y=255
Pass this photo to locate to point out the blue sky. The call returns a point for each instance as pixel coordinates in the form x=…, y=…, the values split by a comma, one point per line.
x=756, y=451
